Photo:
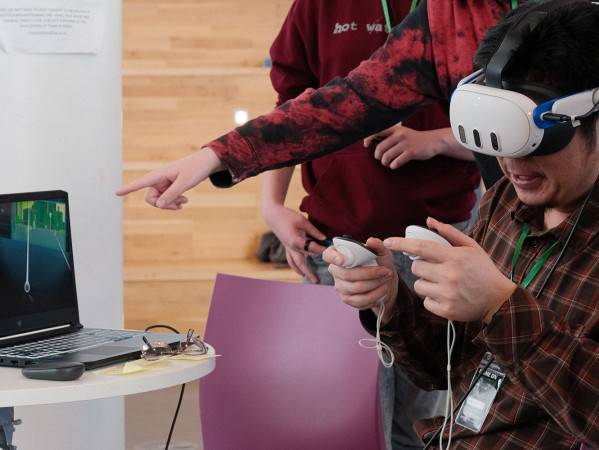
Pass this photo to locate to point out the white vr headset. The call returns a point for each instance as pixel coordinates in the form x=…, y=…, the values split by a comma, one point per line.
x=517, y=120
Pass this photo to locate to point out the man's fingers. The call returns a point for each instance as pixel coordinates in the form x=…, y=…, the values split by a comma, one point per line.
x=136, y=185
x=449, y=232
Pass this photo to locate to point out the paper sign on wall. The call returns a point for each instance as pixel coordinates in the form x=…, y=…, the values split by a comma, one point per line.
x=51, y=26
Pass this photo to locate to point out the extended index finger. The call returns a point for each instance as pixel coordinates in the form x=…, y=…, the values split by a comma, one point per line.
x=136, y=185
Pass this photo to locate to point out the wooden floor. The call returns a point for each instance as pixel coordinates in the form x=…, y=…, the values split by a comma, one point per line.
x=187, y=64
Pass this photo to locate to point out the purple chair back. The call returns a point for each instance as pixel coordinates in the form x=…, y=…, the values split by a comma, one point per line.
x=292, y=374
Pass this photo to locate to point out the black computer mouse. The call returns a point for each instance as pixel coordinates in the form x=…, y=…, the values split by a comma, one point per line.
x=56, y=371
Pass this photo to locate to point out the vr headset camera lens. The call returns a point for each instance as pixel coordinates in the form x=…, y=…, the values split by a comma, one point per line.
x=477, y=141
x=494, y=142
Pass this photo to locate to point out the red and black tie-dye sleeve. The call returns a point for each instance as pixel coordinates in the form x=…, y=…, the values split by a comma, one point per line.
x=397, y=81
x=421, y=62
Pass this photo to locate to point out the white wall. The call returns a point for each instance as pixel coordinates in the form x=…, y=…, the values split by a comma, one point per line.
x=60, y=128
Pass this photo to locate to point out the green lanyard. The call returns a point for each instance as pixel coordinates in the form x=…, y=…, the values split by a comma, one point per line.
x=535, y=269
x=386, y=11
x=515, y=3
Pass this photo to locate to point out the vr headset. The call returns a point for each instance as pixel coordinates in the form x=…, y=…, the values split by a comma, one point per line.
x=497, y=116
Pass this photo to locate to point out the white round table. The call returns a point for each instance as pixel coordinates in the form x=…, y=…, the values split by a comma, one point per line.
x=18, y=391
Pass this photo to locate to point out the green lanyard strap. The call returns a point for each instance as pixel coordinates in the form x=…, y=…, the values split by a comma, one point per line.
x=386, y=11
x=535, y=269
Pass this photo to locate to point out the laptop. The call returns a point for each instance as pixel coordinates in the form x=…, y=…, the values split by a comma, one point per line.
x=39, y=314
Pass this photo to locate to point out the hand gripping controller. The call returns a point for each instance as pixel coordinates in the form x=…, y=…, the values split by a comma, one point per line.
x=356, y=254
x=416, y=232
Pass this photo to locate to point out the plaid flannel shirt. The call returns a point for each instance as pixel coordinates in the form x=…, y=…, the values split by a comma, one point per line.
x=547, y=346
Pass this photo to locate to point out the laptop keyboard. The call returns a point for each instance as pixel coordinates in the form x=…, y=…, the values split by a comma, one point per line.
x=67, y=343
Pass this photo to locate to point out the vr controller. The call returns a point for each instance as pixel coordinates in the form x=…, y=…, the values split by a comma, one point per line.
x=416, y=232
x=355, y=254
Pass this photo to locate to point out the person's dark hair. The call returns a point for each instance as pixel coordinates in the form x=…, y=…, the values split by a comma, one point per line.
x=561, y=51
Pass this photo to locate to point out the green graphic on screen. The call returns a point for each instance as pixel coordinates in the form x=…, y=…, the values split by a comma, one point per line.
x=40, y=223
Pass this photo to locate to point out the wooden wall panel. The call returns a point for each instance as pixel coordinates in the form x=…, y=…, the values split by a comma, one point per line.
x=187, y=64
x=200, y=33
x=168, y=114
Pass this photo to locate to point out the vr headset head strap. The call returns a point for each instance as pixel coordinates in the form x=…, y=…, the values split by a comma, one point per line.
x=559, y=135
x=510, y=43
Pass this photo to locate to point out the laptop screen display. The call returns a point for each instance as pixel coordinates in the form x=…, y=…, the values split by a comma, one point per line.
x=36, y=264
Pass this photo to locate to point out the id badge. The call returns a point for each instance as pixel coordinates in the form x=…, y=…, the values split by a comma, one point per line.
x=475, y=408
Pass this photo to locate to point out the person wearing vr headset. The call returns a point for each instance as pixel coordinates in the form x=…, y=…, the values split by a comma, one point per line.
x=522, y=289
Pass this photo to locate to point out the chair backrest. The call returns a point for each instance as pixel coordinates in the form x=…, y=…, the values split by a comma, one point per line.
x=291, y=374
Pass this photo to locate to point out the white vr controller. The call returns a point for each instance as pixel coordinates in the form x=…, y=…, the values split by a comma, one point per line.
x=416, y=232
x=355, y=254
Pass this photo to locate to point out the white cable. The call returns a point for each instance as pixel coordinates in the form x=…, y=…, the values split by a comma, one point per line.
x=382, y=348
x=449, y=401
x=378, y=344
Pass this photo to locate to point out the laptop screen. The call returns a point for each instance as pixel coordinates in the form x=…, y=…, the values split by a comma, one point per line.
x=37, y=282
